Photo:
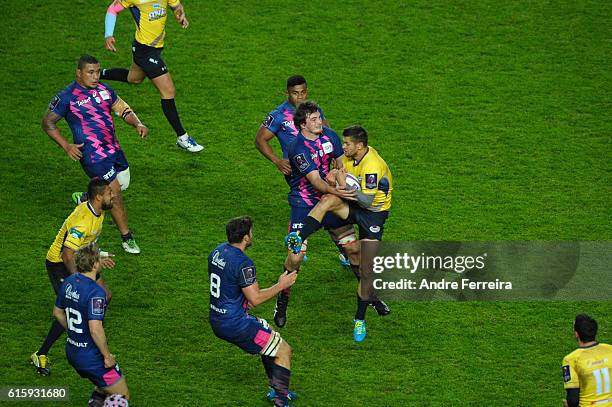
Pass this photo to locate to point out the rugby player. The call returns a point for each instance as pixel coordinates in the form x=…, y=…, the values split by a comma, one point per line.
x=150, y=19
x=311, y=155
x=79, y=308
x=233, y=291
x=586, y=371
x=80, y=229
x=369, y=212
x=279, y=124
x=87, y=104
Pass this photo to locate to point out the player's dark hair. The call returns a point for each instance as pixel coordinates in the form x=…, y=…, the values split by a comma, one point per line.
x=586, y=327
x=302, y=111
x=86, y=258
x=295, y=80
x=357, y=133
x=87, y=59
x=96, y=187
x=238, y=228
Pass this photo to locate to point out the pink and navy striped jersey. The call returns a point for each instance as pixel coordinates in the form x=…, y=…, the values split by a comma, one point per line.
x=311, y=155
x=88, y=113
x=280, y=122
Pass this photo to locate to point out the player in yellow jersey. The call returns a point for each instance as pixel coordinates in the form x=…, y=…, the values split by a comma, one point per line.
x=586, y=371
x=81, y=228
x=369, y=211
x=150, y=18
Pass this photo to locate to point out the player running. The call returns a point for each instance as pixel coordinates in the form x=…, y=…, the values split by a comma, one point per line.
x=150, y=19
x=233, y=291
x=369, y=212
x=586, y=371
x=80, y=308
x=80, y=229
x=87, y=104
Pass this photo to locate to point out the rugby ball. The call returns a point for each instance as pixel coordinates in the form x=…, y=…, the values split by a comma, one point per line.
x=352, y=183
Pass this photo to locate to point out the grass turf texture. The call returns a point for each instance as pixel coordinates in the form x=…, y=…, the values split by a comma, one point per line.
x=494, y=119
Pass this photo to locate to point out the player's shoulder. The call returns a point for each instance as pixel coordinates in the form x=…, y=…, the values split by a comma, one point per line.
x=573, y=356
x=102, y=86
x=328, y=131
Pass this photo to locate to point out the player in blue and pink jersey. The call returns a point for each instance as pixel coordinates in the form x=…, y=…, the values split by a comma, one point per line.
x=312, y=154
x=279, y=124
x=80, y=307
x=233, y=291
x=87, y=104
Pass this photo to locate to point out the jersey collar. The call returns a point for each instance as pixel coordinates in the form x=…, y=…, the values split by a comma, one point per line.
x=356, y=163
x=587, y=347
x=97, y=215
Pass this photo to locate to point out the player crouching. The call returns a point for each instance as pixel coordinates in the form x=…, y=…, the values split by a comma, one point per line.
x=233, y=290
x=80, y=308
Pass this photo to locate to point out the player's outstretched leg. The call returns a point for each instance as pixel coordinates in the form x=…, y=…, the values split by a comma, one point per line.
x=167, y=92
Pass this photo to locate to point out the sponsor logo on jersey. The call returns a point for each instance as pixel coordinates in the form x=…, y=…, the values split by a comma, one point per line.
x=217, y=260
x=77, y=344
x=371, y=181
x=328, y=147
x=157, y=13
x=105, y=95
x=82, y=102
x=74, y=232
x=72, y=294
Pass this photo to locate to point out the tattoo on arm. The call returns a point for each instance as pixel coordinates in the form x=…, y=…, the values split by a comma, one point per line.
x=49, y=120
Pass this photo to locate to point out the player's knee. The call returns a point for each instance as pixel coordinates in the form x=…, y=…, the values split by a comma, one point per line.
x=329, y=201
x=124, y=179
x=135, y=79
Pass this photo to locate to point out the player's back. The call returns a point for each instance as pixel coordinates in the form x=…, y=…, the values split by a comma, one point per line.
x=589, y=369
x=81, y=227
x=83, y=300
x=229, y=270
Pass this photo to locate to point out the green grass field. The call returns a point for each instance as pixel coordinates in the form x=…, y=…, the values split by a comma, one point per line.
x=494, y=118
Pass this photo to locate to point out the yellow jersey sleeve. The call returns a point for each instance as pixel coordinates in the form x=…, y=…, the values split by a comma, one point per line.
x=173, y=3
x=571, y=380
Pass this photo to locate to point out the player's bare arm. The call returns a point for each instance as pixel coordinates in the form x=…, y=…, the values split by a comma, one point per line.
x=60, y=315
x=97, y=333
x=320, y=185
x=256, y=296
x=124, y=110
x=68, y=259
x=179, y=14
x=49, y=122
x=109, y=24
x=262, y=142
